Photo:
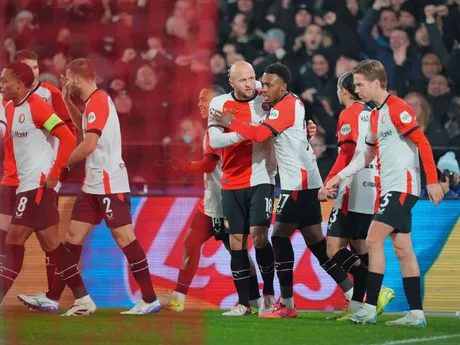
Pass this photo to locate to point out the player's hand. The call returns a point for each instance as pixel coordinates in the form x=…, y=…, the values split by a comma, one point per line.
x=220, y=118
x=332, y=184
x=311, y=129
x=65, y=89
x=324, y=194
x=50, y=182
x=435, y=193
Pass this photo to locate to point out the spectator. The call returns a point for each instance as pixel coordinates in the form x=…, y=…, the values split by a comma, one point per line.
x=325, y=162
x=450, y=177
x=440, y=97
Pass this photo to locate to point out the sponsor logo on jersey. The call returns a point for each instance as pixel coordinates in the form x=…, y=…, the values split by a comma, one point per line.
x=18, y=134
x=274, y=113
x=405, y=117
x=22, y=118
x=369, y=184
x=385, y=134
x=91, y=117
x=345, y=129
x=365, y=118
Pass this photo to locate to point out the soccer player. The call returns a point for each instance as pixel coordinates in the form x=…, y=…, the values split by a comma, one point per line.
x=248, y=181
x=396, y=139
x=298, y=207
x=53, y=97
x=105, y=191
x=31, y=123
x=354, y=207
x=208, y=219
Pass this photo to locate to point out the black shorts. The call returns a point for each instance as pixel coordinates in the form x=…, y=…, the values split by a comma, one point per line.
x=115, y=209
x=247, y=207
x=395, y=210
x=36, y=209
x=7, y=199
x=352, y=225
x=299, y=207
x=209, y=225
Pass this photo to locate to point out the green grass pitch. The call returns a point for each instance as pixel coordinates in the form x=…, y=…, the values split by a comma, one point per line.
x=20, y=326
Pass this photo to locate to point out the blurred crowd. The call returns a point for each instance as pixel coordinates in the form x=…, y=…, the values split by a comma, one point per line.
x=153, y=56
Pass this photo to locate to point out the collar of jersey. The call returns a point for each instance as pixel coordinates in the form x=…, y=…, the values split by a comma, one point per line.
x=247, y=100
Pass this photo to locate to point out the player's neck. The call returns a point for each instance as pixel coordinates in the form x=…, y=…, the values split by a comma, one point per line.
x=381, y=97
x=348, y=102
x=34, y=85
x=279, y=98
x=20, y=97
x=87, y=92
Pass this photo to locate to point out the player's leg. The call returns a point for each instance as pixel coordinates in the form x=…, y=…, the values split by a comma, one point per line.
x=14, y=256
x=117, y=215
x=7, y=204
x=237, y=226
x=255, y=301
x=402, y=244
x=85, y=214
x=199, y=232
x=51, y=271
x=260, y=217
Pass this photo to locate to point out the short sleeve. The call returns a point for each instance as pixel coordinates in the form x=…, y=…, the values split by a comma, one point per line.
x=282, y=116
x=43, y=115
x=403, y=117
x=208, y=150
x=347, y=126
x=97, y=113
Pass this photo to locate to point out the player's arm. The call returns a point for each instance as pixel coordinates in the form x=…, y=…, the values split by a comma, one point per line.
x=72, y=110
x=97, y=113
x=205, y=165
x=59, y=105
x=44, y=117
x=254, y=133
x=217, y=138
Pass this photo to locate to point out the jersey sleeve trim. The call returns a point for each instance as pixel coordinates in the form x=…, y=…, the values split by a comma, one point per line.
x=275, y=132
x=212, y=155
x=52, y=122
x=3, y=122
x=411, y=130
x=369, y=144
x=94, y=130
x=348, y=141
x=217, y=126
x=58, y=125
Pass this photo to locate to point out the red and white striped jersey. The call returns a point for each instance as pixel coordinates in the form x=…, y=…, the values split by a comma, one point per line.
x=10, y=176
x=357, y=193
x=296, y=162
x=105, y=169
x=53, y=96
x=29, y=125
x=245, y=164
x=211, y=204
x=397, y=156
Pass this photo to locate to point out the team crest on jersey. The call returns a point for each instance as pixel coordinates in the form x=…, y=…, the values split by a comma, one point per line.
x=274, y=113
x=405, y=117
x=345, y=129
x=22, y=118
x=91, y=117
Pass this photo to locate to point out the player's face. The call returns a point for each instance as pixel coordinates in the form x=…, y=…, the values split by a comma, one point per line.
x=244, y=83
x=273, y=87
x=9, y=86
x=340, y=94
x=364, y=88
x=33, y=64
x=74, y=82
x=206, y=95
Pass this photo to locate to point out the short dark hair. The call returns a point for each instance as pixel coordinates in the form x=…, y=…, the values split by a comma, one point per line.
x=82, y=67
x=280, y=70
x=25, y=54
x=22, y=72
x=216, y=89
x=346, y=82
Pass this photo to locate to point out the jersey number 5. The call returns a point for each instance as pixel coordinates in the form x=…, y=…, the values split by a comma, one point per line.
x=384, y=203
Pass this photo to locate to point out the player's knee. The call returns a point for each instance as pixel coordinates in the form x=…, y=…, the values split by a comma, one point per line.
x=403, y=252
x=260, y=240
x=373, y=243
x=236, y=242
x=282, y=247
x=312, y=234
x=74, y=237
x=331, y=251
x=191, y=243
x=123, y=235
x=16, y=236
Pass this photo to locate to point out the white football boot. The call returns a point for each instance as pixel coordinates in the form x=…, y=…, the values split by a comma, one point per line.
x=82, y=307
x=143, y=308
x=40, y=302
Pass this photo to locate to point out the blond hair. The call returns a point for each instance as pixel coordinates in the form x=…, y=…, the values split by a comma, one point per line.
x=372, y=70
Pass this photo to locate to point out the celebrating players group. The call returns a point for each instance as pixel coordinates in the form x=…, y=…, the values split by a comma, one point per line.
x=254, y=132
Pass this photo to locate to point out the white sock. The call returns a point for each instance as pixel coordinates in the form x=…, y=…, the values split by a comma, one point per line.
x=256, y=303
x=418, y=313
x=178, y=297
x=354, y=306
x=349, y=294
x=370, y=307
x=288, y=302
